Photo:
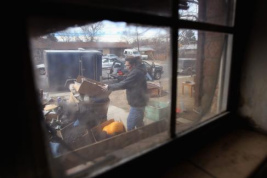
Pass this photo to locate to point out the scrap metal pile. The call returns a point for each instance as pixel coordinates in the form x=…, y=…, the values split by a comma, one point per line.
x=79, y=120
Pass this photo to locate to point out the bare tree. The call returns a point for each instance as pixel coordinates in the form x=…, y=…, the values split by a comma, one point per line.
x=66, y=35
x=78, y=39
x=91, y=31
x=187, y=37
x=191, y=12
x=126, y=36
x=65, y=38
x=161, y=42
x=87, y=33
x=134, y=35
x=51, y=37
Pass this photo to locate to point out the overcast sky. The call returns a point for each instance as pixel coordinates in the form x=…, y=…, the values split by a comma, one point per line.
x=113, y=31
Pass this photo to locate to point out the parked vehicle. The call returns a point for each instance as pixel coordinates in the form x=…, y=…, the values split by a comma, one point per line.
x=119, y=72
x=110, y=56
x=153, y=69
x=64, y=66
x=41, y=69
x=134, y=53
x=186, y=66
x=107, y=63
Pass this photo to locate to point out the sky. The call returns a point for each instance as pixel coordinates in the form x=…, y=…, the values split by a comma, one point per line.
x=113, y=31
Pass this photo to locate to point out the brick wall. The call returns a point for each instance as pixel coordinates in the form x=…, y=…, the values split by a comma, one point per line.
x=210, y=48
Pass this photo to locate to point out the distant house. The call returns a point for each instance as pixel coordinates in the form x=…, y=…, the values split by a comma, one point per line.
x=188, y=51
x=38, y=46
x=145, y=50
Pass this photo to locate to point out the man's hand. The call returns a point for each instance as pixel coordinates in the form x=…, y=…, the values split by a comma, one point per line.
x=104, y=87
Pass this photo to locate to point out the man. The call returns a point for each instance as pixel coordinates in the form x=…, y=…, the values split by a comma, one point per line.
x=136, y=91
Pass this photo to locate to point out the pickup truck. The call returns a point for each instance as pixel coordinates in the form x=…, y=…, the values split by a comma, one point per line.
x=110, y=56
x=107, y=63
x=186, y=66
x=144, y=57
x=134, y=53
x=118, y=71
x=41, y=69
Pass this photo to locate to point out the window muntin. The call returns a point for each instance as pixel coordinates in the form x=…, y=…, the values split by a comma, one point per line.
x=70, y=113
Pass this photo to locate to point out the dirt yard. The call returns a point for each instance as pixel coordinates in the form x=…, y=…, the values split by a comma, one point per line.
x=185, y=103
x=187, y=113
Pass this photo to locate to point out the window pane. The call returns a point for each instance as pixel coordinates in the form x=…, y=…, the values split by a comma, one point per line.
x=217, y=12
x=203, y=75
x=87, y=124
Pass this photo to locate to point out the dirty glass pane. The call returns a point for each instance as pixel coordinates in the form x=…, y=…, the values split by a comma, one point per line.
x=87, y=124
x=202, y=76
x=219, y=12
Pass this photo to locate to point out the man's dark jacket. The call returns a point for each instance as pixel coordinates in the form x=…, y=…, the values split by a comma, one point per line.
x=135, y=85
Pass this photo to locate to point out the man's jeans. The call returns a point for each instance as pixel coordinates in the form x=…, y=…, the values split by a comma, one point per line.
x=135, y=118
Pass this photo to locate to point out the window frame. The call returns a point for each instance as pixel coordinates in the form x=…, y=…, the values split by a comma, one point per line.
x=181, y=142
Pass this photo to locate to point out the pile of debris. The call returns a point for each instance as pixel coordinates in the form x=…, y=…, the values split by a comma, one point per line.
x=79, y=121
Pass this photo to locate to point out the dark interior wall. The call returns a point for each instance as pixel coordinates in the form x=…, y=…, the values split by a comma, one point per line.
x=23, y=142
x=254, y=75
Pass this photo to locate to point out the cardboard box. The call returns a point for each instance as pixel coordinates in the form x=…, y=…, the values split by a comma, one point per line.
x=73, y=99
x=154, y=90
x=90, y=87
